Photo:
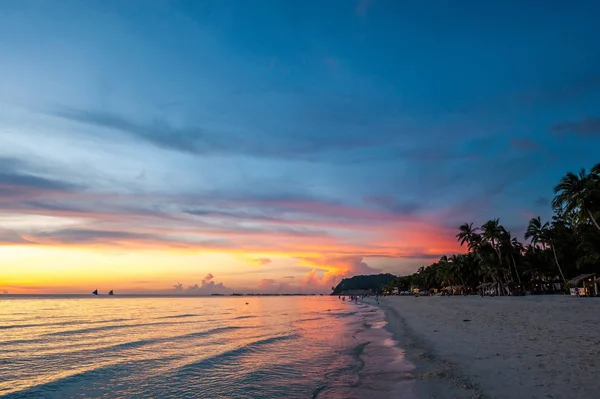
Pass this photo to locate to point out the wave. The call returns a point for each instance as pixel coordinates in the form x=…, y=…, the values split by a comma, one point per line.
x=144, y=342
x=178, y=316
x=111, y=327
x=9, y=327
x=345, y=314
x=309, y=319
x=210, y=332
x=227, y=356
x=244, y=317
x=59, y=384
x=61, y=323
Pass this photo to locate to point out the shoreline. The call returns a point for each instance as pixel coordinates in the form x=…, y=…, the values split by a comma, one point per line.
x=496, y=348
x=434, y=377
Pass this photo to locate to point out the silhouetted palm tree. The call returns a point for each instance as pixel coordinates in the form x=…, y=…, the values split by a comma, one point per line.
x=492, y=233
x=511, y=246
x=577, y=194
x=542, y=234
x=466, y=234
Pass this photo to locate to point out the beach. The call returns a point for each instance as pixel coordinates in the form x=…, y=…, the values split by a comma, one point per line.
x=500, y=347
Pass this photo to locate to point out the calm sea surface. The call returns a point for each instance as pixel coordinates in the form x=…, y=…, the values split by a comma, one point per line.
x=219, y=347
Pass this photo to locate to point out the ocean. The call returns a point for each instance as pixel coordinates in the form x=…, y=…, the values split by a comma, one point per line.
x=216, y=347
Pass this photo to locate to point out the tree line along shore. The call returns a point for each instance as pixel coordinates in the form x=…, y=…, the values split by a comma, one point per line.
x=557, y=255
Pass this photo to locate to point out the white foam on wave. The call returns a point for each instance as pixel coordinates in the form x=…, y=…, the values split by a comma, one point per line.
x=385, y=372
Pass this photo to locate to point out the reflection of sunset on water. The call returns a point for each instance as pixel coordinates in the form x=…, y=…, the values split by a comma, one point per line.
x=211, y=346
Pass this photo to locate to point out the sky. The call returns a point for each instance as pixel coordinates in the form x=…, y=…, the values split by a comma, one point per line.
x=207, y=147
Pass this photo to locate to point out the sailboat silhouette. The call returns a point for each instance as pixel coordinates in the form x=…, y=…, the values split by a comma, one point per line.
x=111, y=292
x=95, y=292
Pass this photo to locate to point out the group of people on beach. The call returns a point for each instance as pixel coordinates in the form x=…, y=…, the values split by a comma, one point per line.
x=354, y=298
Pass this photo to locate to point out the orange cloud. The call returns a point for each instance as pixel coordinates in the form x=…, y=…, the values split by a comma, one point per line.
x=259, y=261
x=330, y=240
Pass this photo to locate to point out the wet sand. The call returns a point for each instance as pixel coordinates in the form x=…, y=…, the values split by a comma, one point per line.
x=503, y=347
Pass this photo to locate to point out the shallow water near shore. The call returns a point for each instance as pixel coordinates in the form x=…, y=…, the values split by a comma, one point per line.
x=273, y=347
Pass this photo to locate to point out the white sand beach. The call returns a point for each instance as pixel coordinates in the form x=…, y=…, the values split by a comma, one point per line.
x=502, y=347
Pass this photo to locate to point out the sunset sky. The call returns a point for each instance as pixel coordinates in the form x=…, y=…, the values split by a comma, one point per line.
x=278, y=146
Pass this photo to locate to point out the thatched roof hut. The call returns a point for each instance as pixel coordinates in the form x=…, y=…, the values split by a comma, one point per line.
x=575, y=281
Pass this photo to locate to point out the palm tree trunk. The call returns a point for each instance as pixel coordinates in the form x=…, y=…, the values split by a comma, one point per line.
x=557, y=264
x=499, y=255
x=510, y=271
x=593, y=220
x=516, y=270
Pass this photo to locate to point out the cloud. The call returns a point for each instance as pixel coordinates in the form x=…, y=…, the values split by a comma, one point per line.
x=589, y=127
x=207, y=287
x=392, y=205
x=17, y=180
x=18, y=184
x=271, y=286
x=11, y=237
x=566, y=91
x=338, y=268
x=233, y=141
x=525, y=144
x=325, y=272
x=240, y=221
x=259, y=261
x=90, y=236
x=80, y=236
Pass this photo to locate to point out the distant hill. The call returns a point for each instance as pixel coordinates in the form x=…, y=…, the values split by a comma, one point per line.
x=373, y=282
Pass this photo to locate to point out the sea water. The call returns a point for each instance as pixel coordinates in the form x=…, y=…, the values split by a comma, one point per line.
x=217, y=347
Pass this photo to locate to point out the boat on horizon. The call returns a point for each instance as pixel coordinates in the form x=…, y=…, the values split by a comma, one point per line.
x=111, y=292
x=95, y=292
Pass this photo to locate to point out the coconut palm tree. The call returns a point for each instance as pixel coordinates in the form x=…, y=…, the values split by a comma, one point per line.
x=536, y=231
x=457, y=267
x=543, y=235
x=492, y=233
x=466, y=234
x=511, y=246
x=578, y=194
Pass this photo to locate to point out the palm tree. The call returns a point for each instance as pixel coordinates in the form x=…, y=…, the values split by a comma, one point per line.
x=457, y=268
x=578, y=194
x=511, y=247
x=492, y=233
x=588, y=246
x=466, y=234
x=517, y=249
x=543, y=235
x=536, y=231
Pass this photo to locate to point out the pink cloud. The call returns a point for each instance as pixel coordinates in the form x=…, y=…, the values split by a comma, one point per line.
x=338, y=268
x=207, y=287
x=271, y=286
